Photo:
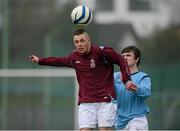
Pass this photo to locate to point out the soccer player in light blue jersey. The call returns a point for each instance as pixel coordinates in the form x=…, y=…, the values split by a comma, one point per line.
x=132, y=110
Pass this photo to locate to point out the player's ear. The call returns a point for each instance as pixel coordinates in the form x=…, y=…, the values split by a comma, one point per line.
x=88, y=40
x=137, y=59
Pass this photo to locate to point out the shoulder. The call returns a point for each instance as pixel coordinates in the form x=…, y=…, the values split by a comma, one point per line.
x=97, y=48
x=106, y=48
x=74, y=51
x=102, y=47
x=74, y=54
x=106, y=51
x=142, y=75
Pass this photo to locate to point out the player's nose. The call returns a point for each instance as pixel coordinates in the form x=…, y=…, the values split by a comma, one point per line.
x=79, y=44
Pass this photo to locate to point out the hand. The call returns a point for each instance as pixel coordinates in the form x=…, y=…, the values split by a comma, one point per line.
x=131, y=86
x=34, y=58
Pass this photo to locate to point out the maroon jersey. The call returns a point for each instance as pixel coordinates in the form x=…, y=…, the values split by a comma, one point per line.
x=94, y=72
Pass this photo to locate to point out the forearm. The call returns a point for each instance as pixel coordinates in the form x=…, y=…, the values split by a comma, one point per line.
x=124, y=70
x=54, y=61
x=143, y=92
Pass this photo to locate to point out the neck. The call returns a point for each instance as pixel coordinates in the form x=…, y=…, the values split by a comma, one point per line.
x=88, y=50
x=133, y=69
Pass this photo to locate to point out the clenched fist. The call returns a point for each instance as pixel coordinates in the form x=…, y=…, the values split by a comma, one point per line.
x=34, y=58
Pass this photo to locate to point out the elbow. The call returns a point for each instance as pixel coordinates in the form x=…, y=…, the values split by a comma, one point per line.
x=147, y=94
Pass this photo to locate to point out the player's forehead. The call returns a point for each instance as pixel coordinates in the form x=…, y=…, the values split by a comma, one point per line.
x=129, y=53
x=81, y=36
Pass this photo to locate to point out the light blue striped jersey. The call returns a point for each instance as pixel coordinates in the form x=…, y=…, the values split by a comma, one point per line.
x=131, y=104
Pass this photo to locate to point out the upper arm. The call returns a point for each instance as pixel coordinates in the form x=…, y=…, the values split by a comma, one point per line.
x=111, y=55
x=115, y=58
x=144, y=87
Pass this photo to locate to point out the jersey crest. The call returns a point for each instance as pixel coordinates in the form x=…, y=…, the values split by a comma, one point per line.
x=92, y=63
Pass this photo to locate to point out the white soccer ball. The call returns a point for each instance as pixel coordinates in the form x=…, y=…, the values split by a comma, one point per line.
x=81, y=15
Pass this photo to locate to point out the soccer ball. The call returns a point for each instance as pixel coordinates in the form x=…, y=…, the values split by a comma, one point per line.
x=81, y=15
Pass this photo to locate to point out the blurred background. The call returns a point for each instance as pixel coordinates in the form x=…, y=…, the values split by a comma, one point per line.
x=31, y=100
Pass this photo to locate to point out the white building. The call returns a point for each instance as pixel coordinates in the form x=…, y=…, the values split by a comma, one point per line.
x=145, y=15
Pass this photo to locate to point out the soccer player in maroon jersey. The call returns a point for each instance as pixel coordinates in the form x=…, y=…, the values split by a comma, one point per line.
x=94, y=67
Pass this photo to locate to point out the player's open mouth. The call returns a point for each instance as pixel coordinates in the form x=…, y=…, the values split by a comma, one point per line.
x=81, y=49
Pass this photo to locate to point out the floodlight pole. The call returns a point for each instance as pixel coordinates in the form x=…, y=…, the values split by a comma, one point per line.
x=5, y=62
x=47, y=82
x=5, y=38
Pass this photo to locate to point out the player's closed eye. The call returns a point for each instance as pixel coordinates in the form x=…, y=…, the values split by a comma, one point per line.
x=82, y=40
x=127, y=55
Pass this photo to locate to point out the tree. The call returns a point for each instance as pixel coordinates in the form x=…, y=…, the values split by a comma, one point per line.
x=163, y=47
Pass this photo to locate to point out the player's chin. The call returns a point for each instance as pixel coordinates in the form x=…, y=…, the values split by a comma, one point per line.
x=81, y=51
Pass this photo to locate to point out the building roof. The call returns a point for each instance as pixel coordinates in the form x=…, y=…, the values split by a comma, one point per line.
x=111, y=34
